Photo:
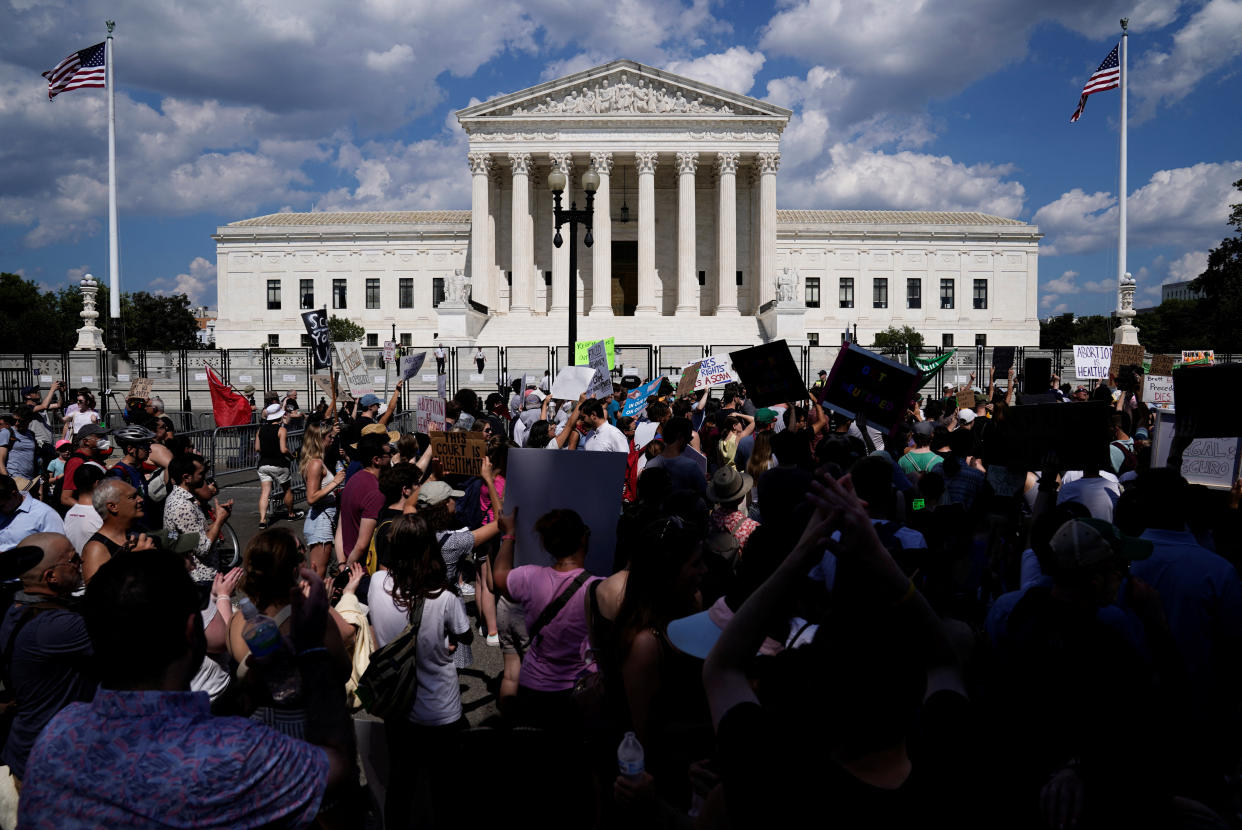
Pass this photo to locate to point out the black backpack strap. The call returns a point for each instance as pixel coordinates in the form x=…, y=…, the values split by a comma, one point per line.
x=554, y=607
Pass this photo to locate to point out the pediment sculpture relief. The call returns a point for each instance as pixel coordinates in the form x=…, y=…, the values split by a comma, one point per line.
x=623, y=97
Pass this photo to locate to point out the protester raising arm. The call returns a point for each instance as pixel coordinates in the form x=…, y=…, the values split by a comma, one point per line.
x=507, y=522
x=563, y=436
x=391, y=409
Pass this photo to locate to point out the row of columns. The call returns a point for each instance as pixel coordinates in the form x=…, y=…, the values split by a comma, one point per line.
x=483, y=231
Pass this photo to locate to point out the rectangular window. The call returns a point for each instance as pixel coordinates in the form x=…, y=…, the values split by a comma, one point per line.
x=847, y=292
x=273, y=340
x=509, y=278
x=946, y=293
x=981, y=293
x=812, y=338
x=273, y=294
x=914, y=293
x=437, y=291
x=373, y=340
x=373, y=292
x=405, y=292
x=306, y=293
x=981, y=340
x=739, y=277
x=306, y=342
x=703, y=278
x=547, y=278
x=812, y=292
x=946, y=340
x=405, y=340
x=879, y=292
x=338, y=294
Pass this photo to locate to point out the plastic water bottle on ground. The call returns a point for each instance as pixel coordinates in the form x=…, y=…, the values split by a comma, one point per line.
x=630, y=756
x=269, y=654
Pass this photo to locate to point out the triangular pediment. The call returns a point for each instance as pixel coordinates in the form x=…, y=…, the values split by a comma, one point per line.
x=626, y=89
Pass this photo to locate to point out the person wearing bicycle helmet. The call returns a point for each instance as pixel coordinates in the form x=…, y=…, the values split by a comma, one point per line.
x=135, y=442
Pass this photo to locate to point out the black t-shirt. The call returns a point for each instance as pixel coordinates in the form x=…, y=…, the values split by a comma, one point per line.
x=353, y=433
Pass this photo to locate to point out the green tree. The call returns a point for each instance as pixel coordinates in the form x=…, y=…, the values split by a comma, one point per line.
x=30, y=321
x=898, y=340
x=1172, y=326
x=344, y=329
x=158, y=322
x=1066, y=331
x=1221, y=285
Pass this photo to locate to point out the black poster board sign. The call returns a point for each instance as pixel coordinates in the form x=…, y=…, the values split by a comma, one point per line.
x=769, y=374
x=1037, y=375
x=1002, y=359
x=863, y=383
x=1208, y=398
x=1079, y=433
x=316, y=323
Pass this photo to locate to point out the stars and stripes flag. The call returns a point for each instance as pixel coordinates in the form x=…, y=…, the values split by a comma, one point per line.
x=82, y=69
x=1108, y=76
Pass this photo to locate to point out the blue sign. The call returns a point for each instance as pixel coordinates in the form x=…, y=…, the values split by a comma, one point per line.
x=636, y=400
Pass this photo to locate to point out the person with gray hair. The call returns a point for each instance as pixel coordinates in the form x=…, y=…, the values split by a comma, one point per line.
x=156, y=406
x=119, y=504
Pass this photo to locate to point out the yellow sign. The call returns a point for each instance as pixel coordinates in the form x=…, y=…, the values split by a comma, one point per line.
x=582, y=359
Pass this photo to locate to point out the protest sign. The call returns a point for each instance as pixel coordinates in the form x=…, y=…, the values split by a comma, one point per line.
x=390, y=351
x=1092, y=362
x=316, y=323
x=689, y=377
x=459, y=453
x=601, y=382
x=442, y=385
x=1158, y=391
x=325, y=384
x=1125, y=354
x=1079, y=434
x=1208, y=398
x=354, y=368
x=588, y=483
x=582, y=352
x=428, y=414
x=140, y=388
x=714, y=370
x=1208, y=461
x=1198, y=357
x=1037, y=375
x=965, y=398
x=411, y=363
x=1002, y=359
x=636, y=400
x=863, y=383
x=571, y=382
x=1162, y=364
x=769, y=374
x=644, y=433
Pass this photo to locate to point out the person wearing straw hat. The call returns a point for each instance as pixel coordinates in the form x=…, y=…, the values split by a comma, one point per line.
x=272, y=444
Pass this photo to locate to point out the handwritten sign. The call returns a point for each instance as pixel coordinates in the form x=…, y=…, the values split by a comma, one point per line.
x=689, y=377
x=1162, y=364
x=1125, y=354
x=411, y=363
x=324, y=383
x=1092, y=362
x=354, y=368
x=965, y=398
x=1198, y=357
x=1158, y=391
x=865, y=383
x=601, y=383
x=316, y=323
x=390, y=351
x=459, y=453
x=636, y=400
x=140, y=388
x=428, y=414
x=715, y=370
x=1211, y=461
x=582, y=352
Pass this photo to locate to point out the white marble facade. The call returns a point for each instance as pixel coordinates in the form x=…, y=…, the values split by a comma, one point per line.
x=694, y=169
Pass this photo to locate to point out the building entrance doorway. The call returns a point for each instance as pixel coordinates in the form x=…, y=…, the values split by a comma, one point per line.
x=624, y=278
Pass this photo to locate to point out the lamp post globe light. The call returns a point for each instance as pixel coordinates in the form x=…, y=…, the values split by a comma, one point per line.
x=556, y=183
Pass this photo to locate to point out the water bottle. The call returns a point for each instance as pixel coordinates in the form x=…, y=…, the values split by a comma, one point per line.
x=267, y=647
x=630, y=756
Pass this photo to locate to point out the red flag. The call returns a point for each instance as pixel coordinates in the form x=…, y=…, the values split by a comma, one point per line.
x=230, y=408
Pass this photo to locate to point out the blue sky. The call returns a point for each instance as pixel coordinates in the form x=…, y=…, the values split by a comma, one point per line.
x=234, y=109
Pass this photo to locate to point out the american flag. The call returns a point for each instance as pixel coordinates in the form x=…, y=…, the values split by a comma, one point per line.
x=1108, y=76
x=85, y=68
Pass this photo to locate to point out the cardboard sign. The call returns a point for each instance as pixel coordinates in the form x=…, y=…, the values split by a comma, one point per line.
x=428, y=414
x=1079, y=433
x=316, y=323
x=140, y=388
x=865, y=383
x=965, y=398
x=582, y=352
x=1162, y=364
x=714, y=370
x=571, y=382
x=1207, y=400
x=459, y=453
x=636, y=400
x=325, y=386
x=1198, y=357
x=689, y=377
x=601, y=383
x=354, y=369
x=1125, y=354
x=1158, y=391
x=1092, y=362
x=588, y=483
x=769, y=374
x=411, y=363
x=1002, y=359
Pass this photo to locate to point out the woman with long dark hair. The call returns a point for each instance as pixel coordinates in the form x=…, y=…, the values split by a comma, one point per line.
x=420, y=741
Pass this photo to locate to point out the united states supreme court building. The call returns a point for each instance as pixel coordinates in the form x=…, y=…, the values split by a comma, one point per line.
x=689, y=244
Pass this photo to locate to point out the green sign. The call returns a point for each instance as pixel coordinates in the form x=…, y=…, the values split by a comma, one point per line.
x=581, y=347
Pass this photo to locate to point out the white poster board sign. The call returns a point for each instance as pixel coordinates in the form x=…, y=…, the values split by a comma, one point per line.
x=428, y=414
x=588, y=483
x=716, y=370
x=1158, y=391
x=1212, y=462
x=572, y=381
x=1092, y=362
x=354, y=368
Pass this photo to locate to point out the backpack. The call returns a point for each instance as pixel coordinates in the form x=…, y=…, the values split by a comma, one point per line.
x=388, y=685
x=372, y=563
x=1129, y=461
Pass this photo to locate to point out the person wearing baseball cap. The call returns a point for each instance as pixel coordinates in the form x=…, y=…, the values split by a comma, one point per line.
x=87, y=449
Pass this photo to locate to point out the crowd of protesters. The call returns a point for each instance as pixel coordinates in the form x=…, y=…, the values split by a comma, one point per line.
x=807, y=619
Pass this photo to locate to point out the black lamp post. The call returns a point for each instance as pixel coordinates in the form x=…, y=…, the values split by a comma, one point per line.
x=556, y=183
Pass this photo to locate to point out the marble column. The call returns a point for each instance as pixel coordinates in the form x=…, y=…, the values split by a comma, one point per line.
x=560, y=256
x=521, y=231
x=687, y=279
x=497, y=300
x=645, y=161
x=726, y=234
x=481, y=252
x=768, y=164
x=601, y=252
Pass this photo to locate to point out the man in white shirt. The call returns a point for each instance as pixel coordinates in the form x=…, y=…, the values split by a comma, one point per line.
x=82, y=520
x=603, y=437
x=440, y=355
